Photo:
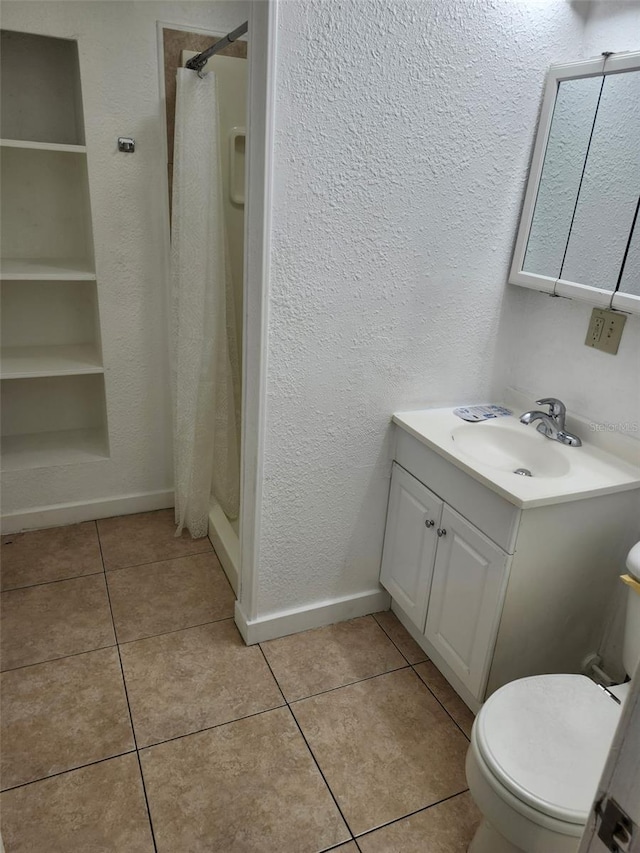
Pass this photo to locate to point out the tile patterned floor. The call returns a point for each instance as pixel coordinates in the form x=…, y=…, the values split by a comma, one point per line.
x=135, y=720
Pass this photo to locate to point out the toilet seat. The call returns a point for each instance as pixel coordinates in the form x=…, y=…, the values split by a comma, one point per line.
x=526, y=829
x=545, y=740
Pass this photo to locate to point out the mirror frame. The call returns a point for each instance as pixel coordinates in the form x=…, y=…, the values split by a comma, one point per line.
x=604, y=65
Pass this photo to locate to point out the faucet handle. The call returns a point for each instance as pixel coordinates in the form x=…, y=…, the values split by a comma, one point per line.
x=557, y=408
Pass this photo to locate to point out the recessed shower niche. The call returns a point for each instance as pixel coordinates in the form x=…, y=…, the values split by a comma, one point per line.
x=53, y=397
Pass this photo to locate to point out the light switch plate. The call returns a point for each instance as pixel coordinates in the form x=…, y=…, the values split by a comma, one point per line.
x=605, y=330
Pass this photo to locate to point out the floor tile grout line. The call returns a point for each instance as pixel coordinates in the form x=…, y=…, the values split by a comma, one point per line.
x=340, y=844
x=175, y=630
x=149, y=562
x=383, y=629
x=105, y=571
x=68, y=770
x=210, y=728
x=315, y=760
x=56, y=580
x=62, y=657
x=285, y=703
x=273, y=675
x=146, y=801
x=137, y=752
x=165, y=560
x=442, y=705
x=100, y=571
x=348, y=684
x=320, y=771
x=386, y=633
x=324, y=778
x=220, y=566
x=126, y=696
x=224, y=574
x=116, y=641
x=410, y=814
x=173, y=560
x=104, y=568
x=413, y=667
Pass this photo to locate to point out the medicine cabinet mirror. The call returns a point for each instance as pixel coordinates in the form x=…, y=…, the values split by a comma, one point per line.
x=579, y=233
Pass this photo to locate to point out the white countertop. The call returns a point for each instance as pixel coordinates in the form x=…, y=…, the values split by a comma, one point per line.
x=579, y=472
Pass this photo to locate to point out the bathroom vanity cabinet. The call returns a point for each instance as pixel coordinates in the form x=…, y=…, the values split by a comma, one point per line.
x=445, y=574
x=492, y=591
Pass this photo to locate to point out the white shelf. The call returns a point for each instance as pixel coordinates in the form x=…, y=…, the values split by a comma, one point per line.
x=46, y=269
x=43, y=146
x=46, y=449
x=25, y=362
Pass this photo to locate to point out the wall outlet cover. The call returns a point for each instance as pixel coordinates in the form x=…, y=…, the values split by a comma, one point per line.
x=605, y=330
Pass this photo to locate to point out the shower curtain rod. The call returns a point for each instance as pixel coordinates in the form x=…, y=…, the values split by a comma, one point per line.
x=199, y=61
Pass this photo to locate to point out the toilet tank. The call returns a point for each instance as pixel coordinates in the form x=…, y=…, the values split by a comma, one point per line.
x=631, y=647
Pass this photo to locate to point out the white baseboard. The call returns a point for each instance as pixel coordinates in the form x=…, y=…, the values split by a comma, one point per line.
x=61, y=514
x=225, y=543
x=316, y=616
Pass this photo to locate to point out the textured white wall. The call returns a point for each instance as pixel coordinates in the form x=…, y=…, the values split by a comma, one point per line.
x=544, y=354
x=403, y=137
x=610, y=25
x=119, y=66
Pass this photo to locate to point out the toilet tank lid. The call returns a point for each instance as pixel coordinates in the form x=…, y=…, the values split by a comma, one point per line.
x=633, y=561
x=546, y=739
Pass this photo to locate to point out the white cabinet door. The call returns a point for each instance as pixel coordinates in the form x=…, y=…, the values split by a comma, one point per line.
x=410, y=543
x=467, y=594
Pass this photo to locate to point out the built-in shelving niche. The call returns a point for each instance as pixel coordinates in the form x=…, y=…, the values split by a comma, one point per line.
x=53, y=396
x=40, y=89
x=62, y=337
x=45, y=211
x=53, y=420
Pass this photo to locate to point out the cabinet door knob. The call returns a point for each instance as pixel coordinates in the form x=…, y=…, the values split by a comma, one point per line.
x=429, y=523
x=441, y=531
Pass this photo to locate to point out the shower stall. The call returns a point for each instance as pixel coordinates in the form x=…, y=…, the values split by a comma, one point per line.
x=231, y=74
x=229, y=101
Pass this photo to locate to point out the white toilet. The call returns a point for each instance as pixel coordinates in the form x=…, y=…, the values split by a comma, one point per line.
x=538, y=747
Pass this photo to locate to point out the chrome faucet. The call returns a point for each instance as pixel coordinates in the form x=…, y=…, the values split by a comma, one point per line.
x=552, y=423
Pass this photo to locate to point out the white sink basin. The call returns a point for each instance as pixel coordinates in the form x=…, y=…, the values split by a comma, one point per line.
x=508, y=447
x=492, y=450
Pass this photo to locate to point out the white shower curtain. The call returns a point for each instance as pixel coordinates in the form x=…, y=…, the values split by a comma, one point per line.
x=205, y=363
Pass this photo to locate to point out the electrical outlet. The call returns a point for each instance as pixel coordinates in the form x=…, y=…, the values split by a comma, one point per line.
x=595, y=330
x=605, y=330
